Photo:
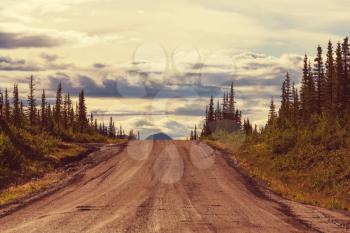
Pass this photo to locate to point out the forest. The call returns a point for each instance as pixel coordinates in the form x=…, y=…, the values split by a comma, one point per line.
x=36, y=134
x=303, y=150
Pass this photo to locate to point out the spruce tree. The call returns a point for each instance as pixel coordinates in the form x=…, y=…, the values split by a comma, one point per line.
x=346, y=72
x=211, y=110
x=218, y=115
x=7, y=107
x=288, y=94
x=339, y=72
x=58, y=106
x=1, y=105
x=43, y=110
x=31, y=102
x=283, y=111
x=296, y=107
x=231, y=104
x=16, y=112
x=304, y=91
x=76, y=124
x=92, y=119
x=224, y=106
x=330, y=87
x=319, y=79
x=65, y=111
x=111, y=129
x=82, y=115
x=272, y=112
x=96, y=126
x=311, y=91
x=70, y=111
x=195, y=137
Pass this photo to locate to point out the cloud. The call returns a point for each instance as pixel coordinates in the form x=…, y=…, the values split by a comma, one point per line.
x=10, y=64
x=51, y=62
x=99, y=65
x=49, y=57
x=122, y=87
x=141, y=123
x=190, y=110
x=17, y=40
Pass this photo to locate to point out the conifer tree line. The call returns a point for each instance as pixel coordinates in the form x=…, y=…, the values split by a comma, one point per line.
x=319, y=112
x=61, y=116
x=324, y=90
x=324, y=95
x=223, y=117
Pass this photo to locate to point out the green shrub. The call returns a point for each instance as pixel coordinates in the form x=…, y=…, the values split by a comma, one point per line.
x=10, y=156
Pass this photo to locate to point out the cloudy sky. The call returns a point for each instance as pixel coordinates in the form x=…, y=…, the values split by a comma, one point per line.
x=153, y=64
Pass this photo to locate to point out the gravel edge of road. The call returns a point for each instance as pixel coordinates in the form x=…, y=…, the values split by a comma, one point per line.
x=260, y=189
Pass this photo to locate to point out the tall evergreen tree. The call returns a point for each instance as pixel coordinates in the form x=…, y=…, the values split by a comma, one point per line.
x=16, y=112
x=319, y=79
x=296, y=107
x=303, y=90
x=96, y=126
x=346, y=72
x=65, y=111
x=272, y=112
x=111, y=128
x=311, y=91
x=231, y=104
x=218, y=114
x=330, y=87
x=339, y=72
x=43, y=110
x=70, y=112
x=224, y=106
x=91, y=119
x=1, y=105
x=195, y=137
x=82, y=115
x=211, y=110
x=283, y=111
x=31, y=102
x=306, y=91
x=58, y=105
x=7, y=107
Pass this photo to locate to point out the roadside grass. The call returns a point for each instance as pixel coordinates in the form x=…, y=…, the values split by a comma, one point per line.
x=64, y=150
x=115, y=140
x=309, y=174
x=37, y=175
x=16, y=192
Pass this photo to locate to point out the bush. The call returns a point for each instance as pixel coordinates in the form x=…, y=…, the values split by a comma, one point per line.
x=10, y=156
x=33, y=144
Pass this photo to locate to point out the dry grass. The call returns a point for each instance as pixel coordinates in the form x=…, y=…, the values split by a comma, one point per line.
x=65, y=150
x=19, y=191
x=43, y=172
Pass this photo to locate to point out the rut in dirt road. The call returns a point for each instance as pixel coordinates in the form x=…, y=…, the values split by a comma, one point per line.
x=167, y=186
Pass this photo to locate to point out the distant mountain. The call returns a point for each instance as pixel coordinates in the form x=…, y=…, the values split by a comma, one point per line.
x=159, y=136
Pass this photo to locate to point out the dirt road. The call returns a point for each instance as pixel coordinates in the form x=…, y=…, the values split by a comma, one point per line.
x=173, y=186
